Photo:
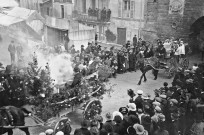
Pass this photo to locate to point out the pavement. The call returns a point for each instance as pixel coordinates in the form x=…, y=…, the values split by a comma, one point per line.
x=118, y=97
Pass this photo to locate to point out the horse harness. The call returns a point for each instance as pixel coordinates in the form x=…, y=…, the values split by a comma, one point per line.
x=10, y=116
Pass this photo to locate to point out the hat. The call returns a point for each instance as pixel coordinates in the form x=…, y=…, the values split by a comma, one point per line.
x=145, y=96
x=49, y=131
x=42, y=133
x=130, y=92
x=139, y=92
x=158, y=109
x=59, y=133
x=174, y=101
x=163, y=96
x=154, y=118
x=156, y=103
x=157, y=91
x=161, y=117
x=82, y=45
x=158, y=99
x=123, y=110
x=131, y=107
x=168, y=94
x=108, y=116
x=139, y=129
x=116, y=113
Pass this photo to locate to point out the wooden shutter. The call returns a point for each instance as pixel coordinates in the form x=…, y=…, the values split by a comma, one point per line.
x=119, y=8
x=132, y=9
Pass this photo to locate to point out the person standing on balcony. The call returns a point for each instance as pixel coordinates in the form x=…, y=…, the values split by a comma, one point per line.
x=97, y=13
x=103, y=14
x=89, y=11
x=66, y=41
x=108, y=15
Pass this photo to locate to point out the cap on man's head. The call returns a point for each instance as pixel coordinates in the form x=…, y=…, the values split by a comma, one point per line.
x=139, y=92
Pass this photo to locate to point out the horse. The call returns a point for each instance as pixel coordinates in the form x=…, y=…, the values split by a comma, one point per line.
x=144, y=69
x=12, y=116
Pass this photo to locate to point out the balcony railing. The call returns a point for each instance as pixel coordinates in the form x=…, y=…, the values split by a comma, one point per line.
x=97, y=16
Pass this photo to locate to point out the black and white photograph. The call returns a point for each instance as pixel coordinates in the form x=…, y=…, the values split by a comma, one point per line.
x=101, y=67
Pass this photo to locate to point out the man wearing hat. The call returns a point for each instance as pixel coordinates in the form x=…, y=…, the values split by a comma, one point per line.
x=138, y=100
x=140, y=129
x=109, y=120
x=84, y=128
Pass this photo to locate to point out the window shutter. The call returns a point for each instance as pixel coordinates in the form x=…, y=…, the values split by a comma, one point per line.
x=132, y=9
x=119, y=8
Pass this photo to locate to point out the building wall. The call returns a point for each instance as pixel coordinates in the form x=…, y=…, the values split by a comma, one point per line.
x=57, y=10
x=160, y=24
x=133, y=23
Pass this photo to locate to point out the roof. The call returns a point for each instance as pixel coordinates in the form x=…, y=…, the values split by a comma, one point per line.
x=8, y=3
x=18, y=14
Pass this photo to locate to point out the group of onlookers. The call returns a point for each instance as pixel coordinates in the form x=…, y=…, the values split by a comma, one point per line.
x=102, y=15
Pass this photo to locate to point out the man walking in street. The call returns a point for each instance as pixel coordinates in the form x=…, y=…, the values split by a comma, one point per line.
x=12, y=50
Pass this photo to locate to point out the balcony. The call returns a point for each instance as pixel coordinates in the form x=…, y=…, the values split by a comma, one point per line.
x=93, y=17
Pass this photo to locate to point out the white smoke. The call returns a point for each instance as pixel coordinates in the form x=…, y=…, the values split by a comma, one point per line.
x=60, y=66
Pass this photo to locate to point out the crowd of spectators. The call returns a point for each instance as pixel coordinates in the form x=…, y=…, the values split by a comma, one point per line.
x=102, y=15
x=175, y=109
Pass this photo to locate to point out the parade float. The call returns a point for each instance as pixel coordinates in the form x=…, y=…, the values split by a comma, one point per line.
x=34, y=85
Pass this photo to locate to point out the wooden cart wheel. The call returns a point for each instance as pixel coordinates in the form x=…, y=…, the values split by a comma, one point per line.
x=92, y=108
x=185, y=63
x=63, y=124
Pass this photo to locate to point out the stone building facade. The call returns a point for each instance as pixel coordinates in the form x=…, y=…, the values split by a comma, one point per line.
x=160, y=22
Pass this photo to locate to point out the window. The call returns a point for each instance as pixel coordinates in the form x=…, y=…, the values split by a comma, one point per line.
x=126, y=4
x=119, y=8
x=62, y=11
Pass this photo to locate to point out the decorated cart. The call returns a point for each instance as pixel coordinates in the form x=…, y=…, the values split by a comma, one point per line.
x=36, y=88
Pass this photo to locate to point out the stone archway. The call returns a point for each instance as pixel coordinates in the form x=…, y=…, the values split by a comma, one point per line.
x=197, y=35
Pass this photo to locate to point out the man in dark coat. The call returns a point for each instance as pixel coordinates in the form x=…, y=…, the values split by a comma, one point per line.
x=132, y=60
x=66, y=41
x=77, y=77
x=139, y=100
x=135, y=41
x=108, y=15
x=84, y=129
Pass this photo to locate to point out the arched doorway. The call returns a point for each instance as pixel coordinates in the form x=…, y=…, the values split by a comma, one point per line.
x=197, y=35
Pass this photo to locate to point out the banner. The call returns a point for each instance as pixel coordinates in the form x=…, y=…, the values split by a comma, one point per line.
x=176, y=7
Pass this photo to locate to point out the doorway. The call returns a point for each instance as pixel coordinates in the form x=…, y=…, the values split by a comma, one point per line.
x=121, y=39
